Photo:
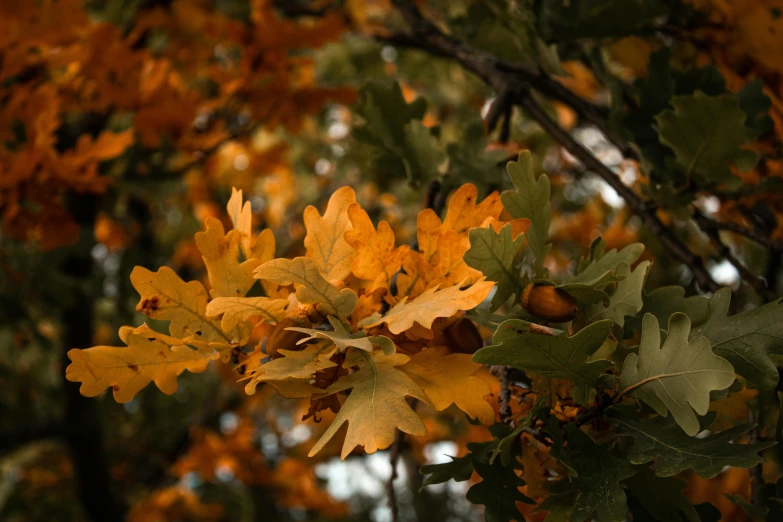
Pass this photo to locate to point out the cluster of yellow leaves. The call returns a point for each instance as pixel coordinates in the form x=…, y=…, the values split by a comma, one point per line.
x=343, y=308
x=64, y=77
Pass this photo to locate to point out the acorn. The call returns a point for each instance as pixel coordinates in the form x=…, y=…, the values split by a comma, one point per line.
x=462, y=336
x=282, y=339
x=549, y=303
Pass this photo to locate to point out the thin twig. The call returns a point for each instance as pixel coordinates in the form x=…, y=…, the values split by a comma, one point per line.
x=756, y=472
x=706, y=223
x=758, y=283
x=500, y=107
x=396, y=450
x=504, y=397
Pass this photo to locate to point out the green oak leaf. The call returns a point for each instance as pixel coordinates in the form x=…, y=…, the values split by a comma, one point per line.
x=599, y=270
x=459, y=469
x=421, y=154
x=661, y=498
x=600, y=263
x=747, y=339
x=558, y=356
x=493, y=253
x=557, y=451
x=707, y=134
x=558, y=507
x=597, y=488
x=756, y=105
x=566, y=21
x=393, y=128
x=753, y=511
x=498, y=492
x=677, y=377
x=530, y=200
x=660, y=439
x=666, y=300
x=385, y=113
x=626, y=300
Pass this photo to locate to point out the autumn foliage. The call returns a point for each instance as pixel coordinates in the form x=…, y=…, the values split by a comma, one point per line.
x=391, y=260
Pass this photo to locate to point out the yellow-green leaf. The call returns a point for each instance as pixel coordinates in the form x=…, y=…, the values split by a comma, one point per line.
x=148, y=357
x=377, y=405
x=312, y=288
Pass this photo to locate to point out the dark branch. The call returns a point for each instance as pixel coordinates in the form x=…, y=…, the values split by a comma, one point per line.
x=758, y=283
x=503, y=77
x=758, y=236
x=634, y=202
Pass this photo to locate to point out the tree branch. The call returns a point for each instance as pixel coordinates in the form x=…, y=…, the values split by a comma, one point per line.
x=758, y=283
x=504, y=399
x=503, y=76
x=634, y=202
x=759, y=237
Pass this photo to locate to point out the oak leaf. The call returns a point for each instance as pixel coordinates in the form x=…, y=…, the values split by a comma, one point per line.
x=678, y=376
x=237, y=310
x=430, y=305
x=343, y=339
x=493, y=254
x=166, y=297
x=148, y=357
x=449, y=379
x=463, y=213
x=530, y=200
x=377, y=260
x=561, y=356
x=220, y=251
x=748, y=339
x=324, y=241
x=296, y=365
x=311, y=287
x=241, y=216
x=377, y=405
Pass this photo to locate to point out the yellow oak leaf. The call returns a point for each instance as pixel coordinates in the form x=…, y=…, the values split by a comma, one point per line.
x=324, y=241
x=311, y=287
x=377, y=405
x=236, y=310
x=301, y=364
x=533, y=472
x=220, y=251
x=430, y=305
x=518, y=226
x=166, y=297
x=442, y=246
x=448, y=379
x=452, y=268
x=368, y=304
x=294, y=388
x=417, y=275
x=463, y=213
x=148, y=357
x=732, y=408
x=241, y=216
x=377, y=260
x=428, y=228
x=263, y=247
